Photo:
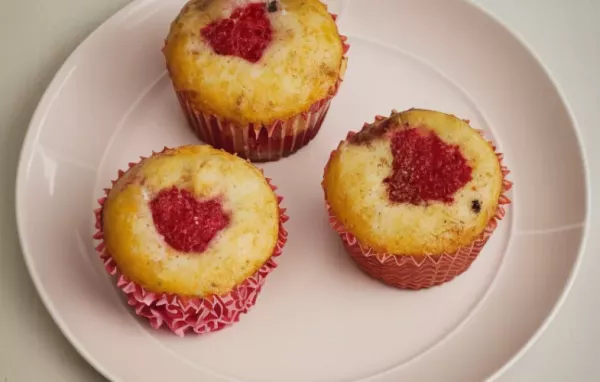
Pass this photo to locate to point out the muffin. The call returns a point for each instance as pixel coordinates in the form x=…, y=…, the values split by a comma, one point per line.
x=415, y=196
x=191, y=234
x=255, y=78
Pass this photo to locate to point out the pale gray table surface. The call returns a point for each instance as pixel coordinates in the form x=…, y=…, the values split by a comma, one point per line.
x=37, y=35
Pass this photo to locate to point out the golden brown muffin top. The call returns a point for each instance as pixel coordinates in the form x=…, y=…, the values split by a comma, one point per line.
x=194, y=221
x=255, y=61
x=418, y=182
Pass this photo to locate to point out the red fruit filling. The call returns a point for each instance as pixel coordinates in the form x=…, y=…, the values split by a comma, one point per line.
x=246, y=33
x=187, y=224
x=425, y=168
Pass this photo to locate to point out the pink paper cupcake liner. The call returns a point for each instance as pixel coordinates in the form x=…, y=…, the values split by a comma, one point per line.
x=256, y=141
x=419, y=272
x=183, y=314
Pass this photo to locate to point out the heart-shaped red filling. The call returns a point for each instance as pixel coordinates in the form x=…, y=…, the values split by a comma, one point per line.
x=187, y=224
x=425, y=168
x=246, y=33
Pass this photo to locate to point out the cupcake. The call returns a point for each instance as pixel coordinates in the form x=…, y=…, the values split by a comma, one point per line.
x=255, y=78
x=415, y=196
x=191, y=234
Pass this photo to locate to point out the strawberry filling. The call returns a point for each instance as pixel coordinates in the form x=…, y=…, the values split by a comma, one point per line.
x=425, y=168
x=246, y=33
x=186, y=223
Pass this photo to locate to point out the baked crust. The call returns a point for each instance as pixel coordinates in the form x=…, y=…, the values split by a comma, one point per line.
x=355, y=189
x=302, y=65
x=237, y=251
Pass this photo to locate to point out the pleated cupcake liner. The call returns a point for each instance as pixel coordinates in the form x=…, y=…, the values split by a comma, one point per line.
x=255, y=142
x=426, y=270
x=183, y=314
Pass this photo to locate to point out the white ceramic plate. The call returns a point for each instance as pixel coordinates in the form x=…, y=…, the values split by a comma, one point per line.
x=319, y=318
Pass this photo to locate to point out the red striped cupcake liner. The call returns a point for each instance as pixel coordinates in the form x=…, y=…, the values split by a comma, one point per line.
x=259, y=142
x=256, y=142
x=182, y=314
x=425, y=271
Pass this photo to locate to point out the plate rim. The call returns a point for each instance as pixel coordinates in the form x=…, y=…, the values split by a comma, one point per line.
x=537, y=334
x=62, y=75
